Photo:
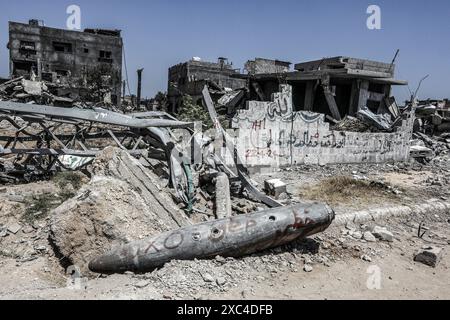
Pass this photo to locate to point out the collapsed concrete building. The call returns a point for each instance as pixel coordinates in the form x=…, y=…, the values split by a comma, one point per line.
x=190, y=77
x=336, y=87
x=66, y=56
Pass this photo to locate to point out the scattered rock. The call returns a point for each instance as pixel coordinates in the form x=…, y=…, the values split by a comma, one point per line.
x=221, y=281
x=207, y=277
x=429, y=256
x=357, y=235
x=221, y=259
x=366, y=258
x=350, y=226
x=369, y=237
x=141, y=284
x=383, y=234
x=27, y=229
x=307, y=268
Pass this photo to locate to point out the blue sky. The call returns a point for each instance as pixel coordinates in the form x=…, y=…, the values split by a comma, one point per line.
x=158, y=34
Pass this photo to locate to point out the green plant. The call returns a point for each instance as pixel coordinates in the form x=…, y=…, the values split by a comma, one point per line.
x=39, y=206
x=191, y=111
x=63, y=179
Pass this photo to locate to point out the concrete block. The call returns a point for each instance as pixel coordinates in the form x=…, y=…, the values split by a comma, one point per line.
x=275, y=187
x=429, y=256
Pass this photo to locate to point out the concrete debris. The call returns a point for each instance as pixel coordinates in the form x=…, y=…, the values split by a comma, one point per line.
x=221, y=281
x=275, y=187
x=352, y=124
x=34, y=92
x=429, y=255
x=369, y=237
x=123, y=202
x=14, y=228
x=356, y=235
x=421, y=152
x=383, y=234
x=380, y=121
x=308, y=268
x=430, y=146
x=433, y=116
x=207, y=277
x=142, y=284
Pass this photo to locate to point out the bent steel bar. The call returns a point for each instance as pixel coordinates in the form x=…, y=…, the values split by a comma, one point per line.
x=235, y=236
x=98, y=115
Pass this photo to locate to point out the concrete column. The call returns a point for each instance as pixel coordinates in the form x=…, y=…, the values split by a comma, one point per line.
x=223, y=200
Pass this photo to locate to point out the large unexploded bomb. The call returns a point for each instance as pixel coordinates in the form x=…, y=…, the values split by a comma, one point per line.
x=235, y=236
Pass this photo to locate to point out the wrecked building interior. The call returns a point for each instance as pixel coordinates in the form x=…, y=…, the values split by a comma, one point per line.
x=302, y=174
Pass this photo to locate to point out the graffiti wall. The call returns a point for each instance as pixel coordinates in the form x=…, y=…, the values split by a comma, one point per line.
x=271, y=134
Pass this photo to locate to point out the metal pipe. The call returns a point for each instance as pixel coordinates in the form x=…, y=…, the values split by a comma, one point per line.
x=229, y=237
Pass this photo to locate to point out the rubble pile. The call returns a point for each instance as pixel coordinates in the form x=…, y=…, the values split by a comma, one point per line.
x=433, y=116
x=424, y=146
x=123, y=202
x=32, y=92
x=66, y=95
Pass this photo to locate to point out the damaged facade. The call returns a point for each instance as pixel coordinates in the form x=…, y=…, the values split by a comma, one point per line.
x=67, y=57
x=272, y=134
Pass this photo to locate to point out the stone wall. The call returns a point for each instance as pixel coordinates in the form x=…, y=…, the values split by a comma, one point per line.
x=271, y=134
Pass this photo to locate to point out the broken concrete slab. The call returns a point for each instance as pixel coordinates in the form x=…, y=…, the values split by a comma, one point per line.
x=32, y=87
x=429, y=256
x=421, y=152
x=14, y=228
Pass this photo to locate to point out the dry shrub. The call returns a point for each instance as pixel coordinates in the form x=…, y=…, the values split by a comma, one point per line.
x=341, y=190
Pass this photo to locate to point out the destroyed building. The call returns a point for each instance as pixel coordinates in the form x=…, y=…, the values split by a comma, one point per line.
x=66, y=56
x=336, y=87
x=432, y=116
x=190, y=77
x=335, y=110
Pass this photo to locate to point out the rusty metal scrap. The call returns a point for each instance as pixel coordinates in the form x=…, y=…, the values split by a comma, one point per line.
x=38, y=135
x=235, y=236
